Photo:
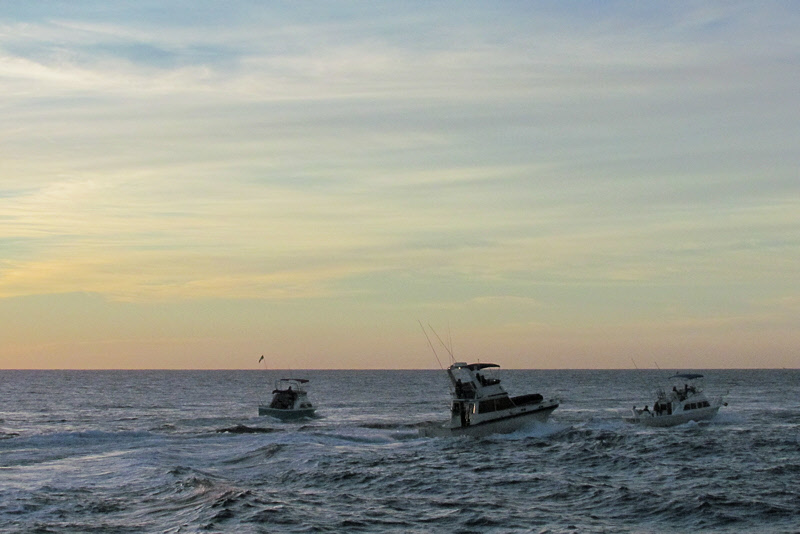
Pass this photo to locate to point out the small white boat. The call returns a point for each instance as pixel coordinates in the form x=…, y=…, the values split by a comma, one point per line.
x=480, y=406
x=686, y=402
x=289, y=400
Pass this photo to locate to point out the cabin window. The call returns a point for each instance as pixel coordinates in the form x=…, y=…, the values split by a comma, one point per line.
x=486, y=406
x=503, y=403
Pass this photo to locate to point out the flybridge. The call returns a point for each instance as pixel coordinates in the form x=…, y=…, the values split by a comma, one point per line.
x=473, y=366
x=687, y=376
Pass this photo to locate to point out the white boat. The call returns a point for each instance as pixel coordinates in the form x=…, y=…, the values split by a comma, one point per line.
x=480, y=406
x=685, y=402
x=289, y=400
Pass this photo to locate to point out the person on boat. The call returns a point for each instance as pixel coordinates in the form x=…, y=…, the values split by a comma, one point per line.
x=646, y=409
x=459, y=388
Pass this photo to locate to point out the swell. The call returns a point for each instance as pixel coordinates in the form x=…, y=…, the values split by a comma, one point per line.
x=370, y=471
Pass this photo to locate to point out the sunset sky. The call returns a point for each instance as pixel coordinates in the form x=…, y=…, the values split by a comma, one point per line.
x=192, y=184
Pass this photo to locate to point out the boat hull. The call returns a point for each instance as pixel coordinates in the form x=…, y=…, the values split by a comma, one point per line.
x=701, y=414
x=286, y=414
x=505, y=424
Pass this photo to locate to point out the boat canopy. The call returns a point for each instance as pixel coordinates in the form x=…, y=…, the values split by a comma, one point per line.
x=474, y=366
x=687, y=376
x=298, y=380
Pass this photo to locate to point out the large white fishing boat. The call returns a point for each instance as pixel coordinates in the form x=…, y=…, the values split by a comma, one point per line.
x=289, y=400
x=480, y=406
x=685, y=402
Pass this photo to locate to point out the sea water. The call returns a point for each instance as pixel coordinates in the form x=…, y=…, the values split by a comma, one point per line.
x=142, y=451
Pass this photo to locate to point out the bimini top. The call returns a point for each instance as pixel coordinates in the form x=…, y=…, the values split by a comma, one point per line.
x=687, y=376
x=298, y=380
x=473, y=366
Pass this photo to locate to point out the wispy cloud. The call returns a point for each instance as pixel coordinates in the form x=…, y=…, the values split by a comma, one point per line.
x=377, y=153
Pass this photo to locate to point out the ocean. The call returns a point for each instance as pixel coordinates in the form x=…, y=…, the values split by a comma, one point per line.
x=142, y=451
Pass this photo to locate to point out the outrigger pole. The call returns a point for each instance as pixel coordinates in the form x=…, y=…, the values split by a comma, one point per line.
x=430, y=344
x=450, y=352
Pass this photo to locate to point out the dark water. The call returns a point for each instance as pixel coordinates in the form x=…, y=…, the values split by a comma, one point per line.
x=139, y=451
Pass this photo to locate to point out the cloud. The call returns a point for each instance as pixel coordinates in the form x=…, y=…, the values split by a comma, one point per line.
x=407, y=157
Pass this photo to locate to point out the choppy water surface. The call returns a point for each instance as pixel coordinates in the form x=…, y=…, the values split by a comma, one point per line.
x=139, y=451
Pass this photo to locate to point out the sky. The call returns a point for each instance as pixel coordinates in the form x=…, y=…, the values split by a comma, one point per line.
x=579, y=185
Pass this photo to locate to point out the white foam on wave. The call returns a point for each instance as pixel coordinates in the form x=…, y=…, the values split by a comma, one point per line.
x=537, y=429
x=615, y=424
x=356, y=436
x=728, y=417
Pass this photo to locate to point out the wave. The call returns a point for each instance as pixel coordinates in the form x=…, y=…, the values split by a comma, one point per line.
x=352, y=436
x=534, y=429
x=392, y=426
x=728, y=417
x=4, y=434
x=82, y=438
x=259, y=454
x=190, y=496
x=244, y=429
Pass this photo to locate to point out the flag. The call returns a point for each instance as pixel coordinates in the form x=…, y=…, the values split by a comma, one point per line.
x=261, y=359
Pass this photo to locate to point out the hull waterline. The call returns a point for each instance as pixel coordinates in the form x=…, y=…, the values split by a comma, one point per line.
x=501, y=425
x=286, y=414
x=703, y=414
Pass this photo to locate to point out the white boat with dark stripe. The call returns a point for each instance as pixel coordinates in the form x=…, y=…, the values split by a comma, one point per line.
x=480, y=406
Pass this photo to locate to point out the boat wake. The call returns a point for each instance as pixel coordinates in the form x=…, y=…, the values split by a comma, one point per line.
x=536, y=429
